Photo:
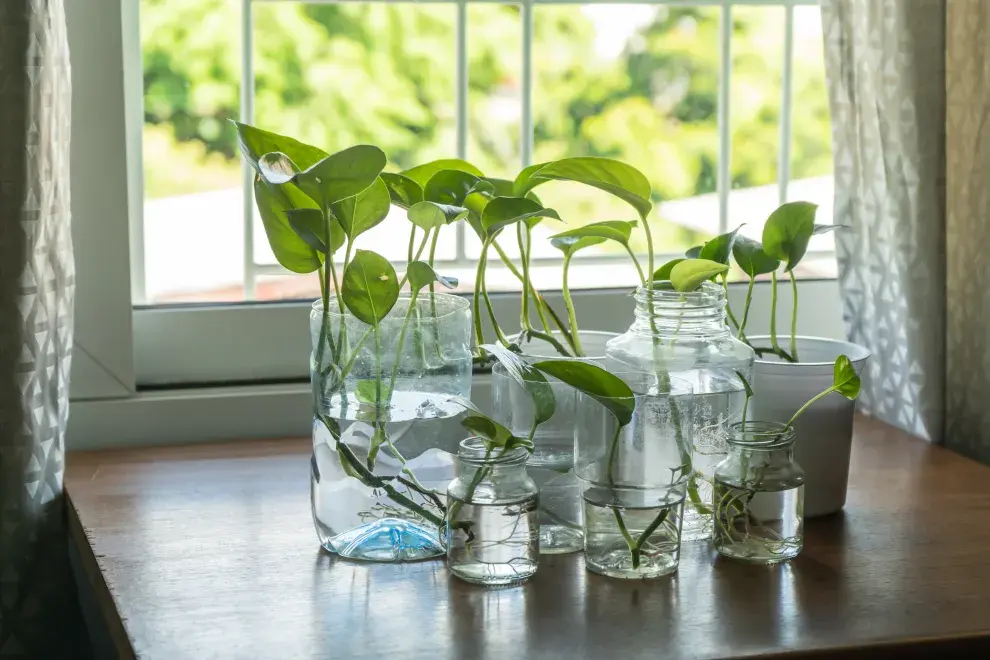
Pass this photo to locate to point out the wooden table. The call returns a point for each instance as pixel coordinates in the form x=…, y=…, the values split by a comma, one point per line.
x=208, y=551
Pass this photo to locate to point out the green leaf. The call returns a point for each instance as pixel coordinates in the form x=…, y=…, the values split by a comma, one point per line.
x=693, y=252
x=719, y=249
x=403, y=191
x=366, y=391
x=610, y=230
x=788, y=230
x=613, y=176
x=369, y=287
x=310, y=225
x=453, y=186
x=421, y=174
x=751, y=258
x=523, y=183
x=255, y=143
x=663, y=272
x=604, y=387
x=504, y=211
x=289, y=249
x=428, y=215
x=421, y=274
x=501, y=187
x=570, y=245
x=689, y=274
x=845, y=380
x=745, y=382
x=494, y=434
x=342, y=175
x=360, y=213
x=531, y=380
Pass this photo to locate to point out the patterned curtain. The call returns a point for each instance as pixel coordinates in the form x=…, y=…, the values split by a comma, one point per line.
x=39, y=615
x=909, y=85
x=885, y=63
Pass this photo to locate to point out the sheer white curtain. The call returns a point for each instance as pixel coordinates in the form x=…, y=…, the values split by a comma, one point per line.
x=909, y=83
x=39, y=615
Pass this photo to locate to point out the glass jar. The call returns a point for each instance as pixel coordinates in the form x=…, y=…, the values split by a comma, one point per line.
x=493, y=529
x=634, y=478
x=685, y=335
x=385, y=426
x=759, y=495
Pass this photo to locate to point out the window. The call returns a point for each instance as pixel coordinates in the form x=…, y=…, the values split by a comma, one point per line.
x=722, y=104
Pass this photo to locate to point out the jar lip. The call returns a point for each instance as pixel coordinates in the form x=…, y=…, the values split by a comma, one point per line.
x=472, y=450
x=455, y=303
x=760, y=435
x=663, y=291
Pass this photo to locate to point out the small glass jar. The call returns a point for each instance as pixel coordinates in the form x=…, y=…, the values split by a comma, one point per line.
x=493, y=529
x=759, y=495
x=686, y=336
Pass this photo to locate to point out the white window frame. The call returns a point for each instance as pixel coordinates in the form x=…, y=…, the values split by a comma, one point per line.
x=186, y=373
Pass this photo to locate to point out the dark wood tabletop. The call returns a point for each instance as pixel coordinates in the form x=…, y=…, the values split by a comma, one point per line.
x=208, y=551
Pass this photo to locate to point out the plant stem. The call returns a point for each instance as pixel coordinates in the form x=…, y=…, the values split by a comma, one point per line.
x=794, y=312
x=639, y=269
x=633, y=550
x=412, y=242
x=419, y=253
x=402, y=340
x=749, y=301
x=524, y=311
x=773, y=312
x=613, y=453
x=550, y=339
x=569, y=304
x=649, y=249
x=801, y=410
x=479, y=333
x=728, y=307
x=661, y=516
x=542, y=306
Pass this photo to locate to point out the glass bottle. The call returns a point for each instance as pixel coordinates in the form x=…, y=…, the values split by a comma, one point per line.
x=759, y=495
x=685, y=335
x=493, y=530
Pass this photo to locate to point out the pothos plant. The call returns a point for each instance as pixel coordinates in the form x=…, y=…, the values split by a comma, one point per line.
x=786, y=235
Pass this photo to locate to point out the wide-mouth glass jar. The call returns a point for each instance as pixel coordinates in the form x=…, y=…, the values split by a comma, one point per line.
x=631, y=456
x=385, y=424
x=759, y=495
x=686, y=336
x=493, y=535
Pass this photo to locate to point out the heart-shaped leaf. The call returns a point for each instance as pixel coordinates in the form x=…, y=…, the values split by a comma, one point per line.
x=369, y=287
x=363, y=211
x=751, y=258
x=289, y=249
x=311, y=226
x=504, y=211
x=663, y=272
x=403, y=191
x=255, y=143
x=693, y=252
x=609, y=230
x=421, y=274
x=604, y=387
x=719, y=249
x=788, y=230
x=453, y=186
x=845, y=380
x=689, y=274
x=493, y=433
x=531, y=380
x=613, y=176
x=569, y=246
x=429, y=215
x=366, y=391
x=342, y=175
x=422, y=174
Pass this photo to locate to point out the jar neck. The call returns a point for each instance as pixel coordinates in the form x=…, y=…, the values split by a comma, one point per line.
x=765, y=439
x=661, y=311
x=473, y=455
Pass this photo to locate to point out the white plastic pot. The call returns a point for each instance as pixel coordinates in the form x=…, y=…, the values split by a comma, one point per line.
x=824, y=431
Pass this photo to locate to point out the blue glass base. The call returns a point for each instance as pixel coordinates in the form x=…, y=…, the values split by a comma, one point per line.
x=387, y=540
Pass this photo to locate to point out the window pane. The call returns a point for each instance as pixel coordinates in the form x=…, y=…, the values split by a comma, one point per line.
x=192, y=172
